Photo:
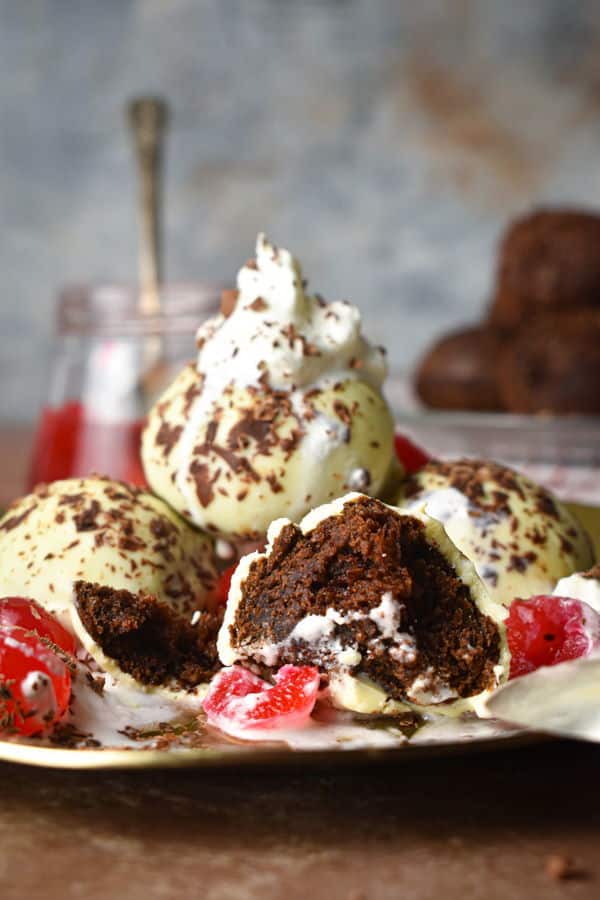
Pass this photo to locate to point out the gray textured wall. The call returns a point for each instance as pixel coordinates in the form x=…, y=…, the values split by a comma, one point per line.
x=384, y=142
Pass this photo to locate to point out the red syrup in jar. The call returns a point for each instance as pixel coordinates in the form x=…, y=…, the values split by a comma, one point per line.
x=70, y=444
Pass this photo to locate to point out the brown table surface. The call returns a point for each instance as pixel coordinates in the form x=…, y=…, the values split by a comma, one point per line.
x=480, y=826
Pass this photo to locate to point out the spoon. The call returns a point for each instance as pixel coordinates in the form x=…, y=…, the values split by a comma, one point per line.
x=148, y=119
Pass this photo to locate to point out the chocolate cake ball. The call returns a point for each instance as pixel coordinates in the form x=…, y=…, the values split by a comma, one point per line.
x=548, y=261
x=553, y=365
x=459, y=371
x=361, y=590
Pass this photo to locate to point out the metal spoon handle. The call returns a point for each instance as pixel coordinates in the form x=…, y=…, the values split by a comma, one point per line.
x=148, y=118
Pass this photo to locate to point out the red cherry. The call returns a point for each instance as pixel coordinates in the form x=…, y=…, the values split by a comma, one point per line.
x=547, y=630
x=410, y=455
x=223, y=585
x=31, y=616
x=35, y=684
x=238, y=699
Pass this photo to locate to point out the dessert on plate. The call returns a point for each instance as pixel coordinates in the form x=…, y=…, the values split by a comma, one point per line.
x=120, y=573
x=394, y=591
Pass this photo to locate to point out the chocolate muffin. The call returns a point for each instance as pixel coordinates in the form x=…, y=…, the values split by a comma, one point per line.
x=553, y=365
x=548, y=261
x=459, y=371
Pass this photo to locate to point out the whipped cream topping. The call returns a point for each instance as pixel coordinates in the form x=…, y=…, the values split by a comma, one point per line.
x=283, y=409
x=278, y=329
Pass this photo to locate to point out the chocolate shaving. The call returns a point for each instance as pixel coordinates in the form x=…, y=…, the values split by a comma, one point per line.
x=257, y=305
x=14, y=521
x=229, y=298
x=167, y=436
x=203, y=482
x=86, y=519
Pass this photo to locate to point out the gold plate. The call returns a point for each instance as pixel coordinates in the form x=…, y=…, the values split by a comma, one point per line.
x=247, y=756
x=222, y=753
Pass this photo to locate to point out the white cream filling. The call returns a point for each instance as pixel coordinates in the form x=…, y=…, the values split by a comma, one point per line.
x=426, y=689
x=319, y=631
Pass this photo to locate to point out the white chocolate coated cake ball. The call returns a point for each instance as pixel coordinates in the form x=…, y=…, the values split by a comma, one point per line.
x=282, y=411
x=520, y=538
x=103, y=531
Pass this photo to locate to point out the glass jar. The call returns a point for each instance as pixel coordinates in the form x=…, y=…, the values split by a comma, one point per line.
x=110, y=365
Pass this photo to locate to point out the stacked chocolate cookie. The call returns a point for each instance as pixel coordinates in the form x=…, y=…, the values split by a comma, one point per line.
x=538, y=350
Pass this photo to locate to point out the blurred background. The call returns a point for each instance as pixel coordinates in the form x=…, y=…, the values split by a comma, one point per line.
x=386, y=143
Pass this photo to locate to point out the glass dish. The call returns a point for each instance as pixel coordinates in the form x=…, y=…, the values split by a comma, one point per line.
x=110, y=364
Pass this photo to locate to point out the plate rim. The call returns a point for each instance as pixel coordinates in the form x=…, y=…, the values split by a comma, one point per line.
x=94, y=759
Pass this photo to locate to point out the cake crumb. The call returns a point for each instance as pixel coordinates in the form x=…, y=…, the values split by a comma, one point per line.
x=561, y=868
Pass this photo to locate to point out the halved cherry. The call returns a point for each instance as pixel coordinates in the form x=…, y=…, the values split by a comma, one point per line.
x=410, y=454
x=237, y=699
x=35, y=684
x=26, y=613
x=547, y=630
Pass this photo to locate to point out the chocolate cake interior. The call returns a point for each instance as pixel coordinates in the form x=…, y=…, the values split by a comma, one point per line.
x=146, y=637
x=347, y=563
